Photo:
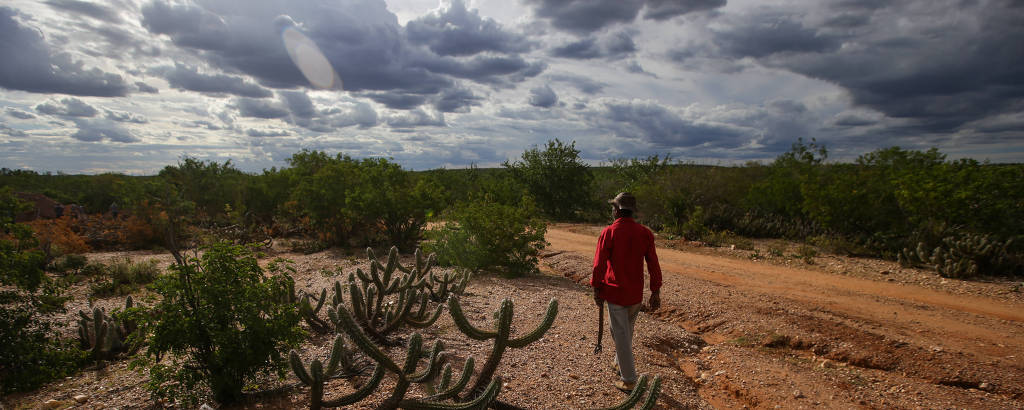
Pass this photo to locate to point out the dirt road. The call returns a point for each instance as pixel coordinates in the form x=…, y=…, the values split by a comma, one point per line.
x=788, y=336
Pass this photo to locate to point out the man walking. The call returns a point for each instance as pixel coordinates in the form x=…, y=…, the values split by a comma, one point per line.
x=618, y=278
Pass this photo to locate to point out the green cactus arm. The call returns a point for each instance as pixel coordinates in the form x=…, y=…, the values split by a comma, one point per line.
x=99, y=342
x=446, y=379
x=362, y=341
x=481, y=402
x=401, y=310
x=392, y=262
x=448, y=392
x=362, y=392
x=338, y=352
x=537, y=333
x=455, y=309
x=633, y=398
x=356, y=296
x=433, y=365
x=299, y=368
x=412, y=354
x=419, y=324
x=652, y=396
x=339, y=294
x=363, y=276
x=320, y=302
x=504, y=330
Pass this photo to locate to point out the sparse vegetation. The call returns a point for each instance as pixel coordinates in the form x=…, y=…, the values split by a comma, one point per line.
x=221, y=322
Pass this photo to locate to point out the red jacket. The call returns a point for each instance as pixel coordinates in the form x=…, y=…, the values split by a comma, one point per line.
x=619, y=262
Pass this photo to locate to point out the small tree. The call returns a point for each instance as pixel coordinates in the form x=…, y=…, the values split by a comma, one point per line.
x=223, y=320
x=483, y=234
x=32, y=352
x=556, y=177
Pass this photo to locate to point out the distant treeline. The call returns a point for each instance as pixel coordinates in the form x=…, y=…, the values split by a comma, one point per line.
x=885, y=203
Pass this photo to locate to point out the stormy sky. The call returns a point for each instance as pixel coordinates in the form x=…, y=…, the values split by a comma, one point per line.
x=131, y=86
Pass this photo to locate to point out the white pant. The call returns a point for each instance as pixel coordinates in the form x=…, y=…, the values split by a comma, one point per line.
x=622, y=320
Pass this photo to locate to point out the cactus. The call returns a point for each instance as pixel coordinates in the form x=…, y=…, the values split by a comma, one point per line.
x=311, y=314
x=638, y=392
x=384, y=298
x=502, y=334
x=339, y=364
x=407, y=373
x=105, y=336
x=957, y=258
x=447, y=284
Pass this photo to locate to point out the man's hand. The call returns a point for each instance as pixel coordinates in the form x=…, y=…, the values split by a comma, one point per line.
x=654, y=302
x=597, y=298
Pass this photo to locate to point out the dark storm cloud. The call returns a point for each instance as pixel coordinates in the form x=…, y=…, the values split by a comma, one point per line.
x=656, y=124
x=123, y=116
x=584, y=84
x=260, y=108
x=543, y=97
x=298, y=104
x=764, y=35
x=583, y=49
x=666, y=9
x=362, y=40
x=189, y=78
x=19, y=114
x=489, y=69
x=99, y=130
x=146, y=88
x=456, y=100
x=398, y=101
x=613, y=46
x=93, y=10
x=67, y=107
x=28, y=64
x=947, y=67
x=588, y=16
x=852, y=119
x=456, y=31
x=252, y=132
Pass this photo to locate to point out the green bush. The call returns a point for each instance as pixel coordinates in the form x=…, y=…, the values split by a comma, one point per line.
x=360, y=202
x=32, y=351
x=223, y=320
x=556, y=177
x=68, y=263
x=122, y=277
x=485, y=235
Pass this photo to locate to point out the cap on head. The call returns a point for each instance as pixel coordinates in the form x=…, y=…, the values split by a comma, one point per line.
x=624, y=200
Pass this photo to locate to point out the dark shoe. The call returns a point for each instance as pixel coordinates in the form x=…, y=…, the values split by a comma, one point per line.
x=625, y=387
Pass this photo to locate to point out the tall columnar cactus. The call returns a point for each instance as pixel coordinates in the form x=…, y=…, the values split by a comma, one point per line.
x=340, y=364
x=502, y=334
x=407, y=373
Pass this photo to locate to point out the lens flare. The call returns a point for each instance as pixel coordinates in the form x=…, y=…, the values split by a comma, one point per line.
x=310, y=61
